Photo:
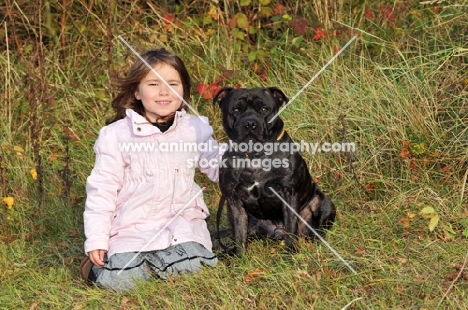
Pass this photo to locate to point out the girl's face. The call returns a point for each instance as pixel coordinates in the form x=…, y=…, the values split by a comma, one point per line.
x=157, y=98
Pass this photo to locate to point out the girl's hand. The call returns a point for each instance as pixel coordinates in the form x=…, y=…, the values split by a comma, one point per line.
x=97, y=257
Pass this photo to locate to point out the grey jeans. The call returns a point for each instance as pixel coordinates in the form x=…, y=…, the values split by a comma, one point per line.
x=120, y=275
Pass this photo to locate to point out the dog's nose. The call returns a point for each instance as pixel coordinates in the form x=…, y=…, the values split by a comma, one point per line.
x=250, y=124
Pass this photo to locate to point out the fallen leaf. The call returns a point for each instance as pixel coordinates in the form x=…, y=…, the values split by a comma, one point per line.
x=368, y=13
x=433, y=222
x=168, y=18
x=361, y=250
x=405, y=222
x=252, y=274
x=303, y=273
x=33, y=173
x=427, y=212
x=403, y=260
x=18, y=149
x=279, y=9
x=9, y=201
x=405, y=150
x=370, y=187
x=319, y=33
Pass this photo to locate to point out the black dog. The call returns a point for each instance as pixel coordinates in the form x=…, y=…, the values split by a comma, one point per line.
x=252, y=165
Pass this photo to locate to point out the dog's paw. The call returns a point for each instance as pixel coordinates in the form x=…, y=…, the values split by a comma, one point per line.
x=279, y=234
x=291, y=243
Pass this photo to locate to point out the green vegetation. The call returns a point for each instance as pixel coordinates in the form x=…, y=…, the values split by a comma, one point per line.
x=399, y=92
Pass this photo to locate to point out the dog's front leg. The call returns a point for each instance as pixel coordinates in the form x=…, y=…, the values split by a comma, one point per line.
x=290, y=219
x=240, y=223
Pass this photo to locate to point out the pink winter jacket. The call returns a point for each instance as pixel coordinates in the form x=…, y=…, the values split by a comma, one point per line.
x=137, y=185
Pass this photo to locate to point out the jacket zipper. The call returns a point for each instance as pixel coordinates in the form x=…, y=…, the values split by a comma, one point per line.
x=174, y=187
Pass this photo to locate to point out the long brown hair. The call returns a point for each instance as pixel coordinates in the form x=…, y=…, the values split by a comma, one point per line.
x=127, y=85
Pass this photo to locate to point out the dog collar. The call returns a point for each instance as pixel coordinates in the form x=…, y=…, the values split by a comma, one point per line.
x=281, y=135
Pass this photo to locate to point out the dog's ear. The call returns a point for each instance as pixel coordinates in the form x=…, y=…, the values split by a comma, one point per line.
x=222, y=93
x=278, y=95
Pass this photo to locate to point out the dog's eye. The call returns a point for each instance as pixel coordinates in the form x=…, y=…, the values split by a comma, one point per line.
x=264, y=110
x=235, y=109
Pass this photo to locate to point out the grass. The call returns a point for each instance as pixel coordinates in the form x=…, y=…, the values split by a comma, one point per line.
x=398, y=92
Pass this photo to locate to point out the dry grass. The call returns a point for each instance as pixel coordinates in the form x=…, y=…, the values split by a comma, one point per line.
x=399, y=81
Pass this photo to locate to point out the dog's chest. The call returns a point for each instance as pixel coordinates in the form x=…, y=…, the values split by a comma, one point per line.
x=260, y=204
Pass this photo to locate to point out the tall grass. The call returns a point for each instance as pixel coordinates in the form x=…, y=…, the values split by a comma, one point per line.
x=398, y=92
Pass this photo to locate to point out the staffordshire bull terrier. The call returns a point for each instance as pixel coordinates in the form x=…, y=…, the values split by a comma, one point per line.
x=260, y=157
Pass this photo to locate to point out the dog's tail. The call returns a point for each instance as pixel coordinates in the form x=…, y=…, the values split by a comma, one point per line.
x=220, y=235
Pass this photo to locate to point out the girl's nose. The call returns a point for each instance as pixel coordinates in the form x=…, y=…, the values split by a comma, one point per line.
x=164, y=89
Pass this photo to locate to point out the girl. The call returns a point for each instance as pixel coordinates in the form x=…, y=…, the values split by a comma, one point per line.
x=144, y=214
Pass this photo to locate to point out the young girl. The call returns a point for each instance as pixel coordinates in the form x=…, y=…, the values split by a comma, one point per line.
x=144, y=214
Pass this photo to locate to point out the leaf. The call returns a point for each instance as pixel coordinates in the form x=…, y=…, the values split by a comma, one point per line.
x=9, y=202
x=370, y=187
x=33, y=173
x=433, y=222
x=266, y=11
x=303, y=274
x=252, y=30
x=405, y=152
x=405, y=221
x=297, y=41
x=279, y=9
x=449, y=229
x=207, y=20
x=264, y=2
x=232, y=22
x=18, y=149
x=242, y=21
x=368, y=13
x=427, y=211
x=252, y=274
x=465, y=232
x=252, y=55
x=168, y=18
x=299, y=25
x=227, y=73
x=244, y=2
x=319, y=34
x=214, y=89
x=201, y=88
x=418, y=149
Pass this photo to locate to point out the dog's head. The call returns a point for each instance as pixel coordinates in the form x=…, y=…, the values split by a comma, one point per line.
x=247, y=113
